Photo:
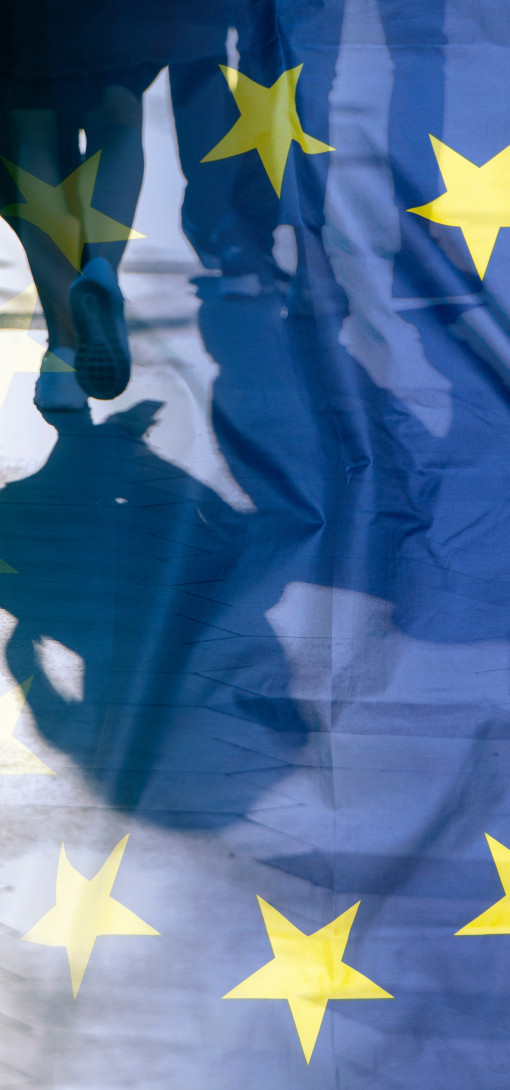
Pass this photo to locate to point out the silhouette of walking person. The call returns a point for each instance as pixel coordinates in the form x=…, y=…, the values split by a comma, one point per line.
x=72, y=77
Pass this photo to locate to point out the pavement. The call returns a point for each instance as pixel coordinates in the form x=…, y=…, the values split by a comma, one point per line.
x=202, y=646
x=136, y=582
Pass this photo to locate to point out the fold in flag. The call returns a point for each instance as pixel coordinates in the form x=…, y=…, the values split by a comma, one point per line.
x=269, y=636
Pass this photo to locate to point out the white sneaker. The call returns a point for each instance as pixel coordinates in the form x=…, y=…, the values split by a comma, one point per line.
x=57, y=388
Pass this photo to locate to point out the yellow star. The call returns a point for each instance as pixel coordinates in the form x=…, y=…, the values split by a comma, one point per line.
x=477, y=200
x=6, y=569
x=496, y=920
x=17, y=759
x=84, y=909
x=269, y=122
x=64, y=211
x=307, y=970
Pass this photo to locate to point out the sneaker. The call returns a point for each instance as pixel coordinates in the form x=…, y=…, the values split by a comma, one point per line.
x=102, y=357
x=57, y=389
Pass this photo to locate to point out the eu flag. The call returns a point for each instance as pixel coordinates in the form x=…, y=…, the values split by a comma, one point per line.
x=255, y=614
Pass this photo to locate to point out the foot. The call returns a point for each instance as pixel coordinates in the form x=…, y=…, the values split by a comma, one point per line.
x=102, y=357
x=57, y=389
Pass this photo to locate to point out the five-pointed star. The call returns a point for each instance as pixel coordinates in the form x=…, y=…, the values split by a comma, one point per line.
x=496, y=920
x=7, y=569
x=269, y=122
x=307, y=970
x=17, y=759
x=64, y=211
x=477, y=200
x=84, y=909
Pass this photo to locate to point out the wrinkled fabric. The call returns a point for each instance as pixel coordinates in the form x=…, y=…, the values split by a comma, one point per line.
x=278, y=571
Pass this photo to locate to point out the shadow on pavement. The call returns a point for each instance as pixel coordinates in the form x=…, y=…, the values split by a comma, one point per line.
x=162, y=588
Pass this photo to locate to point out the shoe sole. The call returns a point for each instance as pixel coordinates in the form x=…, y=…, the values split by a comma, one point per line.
x=102, y=362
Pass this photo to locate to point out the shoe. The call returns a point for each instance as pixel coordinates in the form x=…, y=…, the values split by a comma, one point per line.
x=102, y=357
x=57, y=389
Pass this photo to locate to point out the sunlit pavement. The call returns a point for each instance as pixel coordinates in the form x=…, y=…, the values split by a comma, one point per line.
x=121, y=530
x=212, y=676
x=170, y=363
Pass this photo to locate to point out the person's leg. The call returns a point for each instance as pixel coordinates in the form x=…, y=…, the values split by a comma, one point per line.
x=46, y=145
x=102, y=358
x=115, y=129
x=229, y=210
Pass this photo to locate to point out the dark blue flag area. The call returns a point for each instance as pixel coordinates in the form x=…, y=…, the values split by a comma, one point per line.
x=255, y=624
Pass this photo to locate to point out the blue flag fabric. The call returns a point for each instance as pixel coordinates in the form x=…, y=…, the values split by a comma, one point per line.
x=264, y=600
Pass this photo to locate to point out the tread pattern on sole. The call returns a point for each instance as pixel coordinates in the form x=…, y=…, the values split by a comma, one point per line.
x=102, y=364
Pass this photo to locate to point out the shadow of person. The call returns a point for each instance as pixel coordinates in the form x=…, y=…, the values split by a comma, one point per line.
x=401, y=514
x=164, y=591
x=157, y=585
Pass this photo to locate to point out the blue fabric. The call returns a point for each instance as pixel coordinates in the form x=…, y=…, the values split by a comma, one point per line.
x=308, y=692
